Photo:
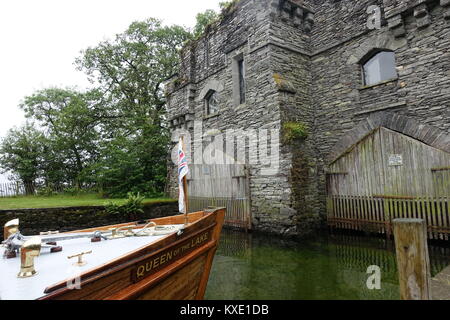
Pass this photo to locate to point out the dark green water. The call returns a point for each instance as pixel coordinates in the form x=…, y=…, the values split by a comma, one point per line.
x=257, y=267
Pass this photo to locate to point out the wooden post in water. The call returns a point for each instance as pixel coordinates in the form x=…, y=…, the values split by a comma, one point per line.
x=413, y=261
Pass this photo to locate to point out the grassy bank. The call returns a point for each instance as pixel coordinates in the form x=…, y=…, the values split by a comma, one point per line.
x=30, y=202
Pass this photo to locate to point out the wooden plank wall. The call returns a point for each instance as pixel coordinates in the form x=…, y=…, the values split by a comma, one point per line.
x=366, y=190
x=365, y=170
x=224, y=180
x=221, y=186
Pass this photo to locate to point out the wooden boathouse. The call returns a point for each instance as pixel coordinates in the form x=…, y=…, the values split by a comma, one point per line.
x=389, y=175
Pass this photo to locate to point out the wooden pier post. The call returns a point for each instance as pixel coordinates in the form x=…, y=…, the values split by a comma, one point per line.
x=412, y=259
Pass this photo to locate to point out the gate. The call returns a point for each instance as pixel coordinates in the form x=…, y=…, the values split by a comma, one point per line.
x=386, y=176
x=221, y=186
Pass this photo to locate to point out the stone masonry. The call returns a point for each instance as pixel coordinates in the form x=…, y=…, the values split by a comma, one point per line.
x=303, y=64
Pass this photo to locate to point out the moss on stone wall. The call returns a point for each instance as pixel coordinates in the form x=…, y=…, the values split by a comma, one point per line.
x=228, y=7
x=294, y=131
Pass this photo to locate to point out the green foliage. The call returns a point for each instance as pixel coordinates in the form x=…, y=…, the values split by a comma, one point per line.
x=204, y=20
x=21, y=154
x=228, y=6
x=133, y=206
x=133, y=164
x=75, y=191
x=207, y=18
x=71, y=122
x=294, y=131
x=112, y=135
x=46, y=191
x=130, y=71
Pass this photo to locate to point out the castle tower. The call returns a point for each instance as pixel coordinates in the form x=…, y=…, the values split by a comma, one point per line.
x=239, y=85
x=279, y=92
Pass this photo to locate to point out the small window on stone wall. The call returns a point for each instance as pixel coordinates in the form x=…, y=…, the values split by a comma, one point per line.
x=211, y=103
x=239, y=83
x=379, y=67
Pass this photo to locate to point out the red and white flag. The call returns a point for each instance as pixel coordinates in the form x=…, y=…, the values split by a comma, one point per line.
x=183, y=170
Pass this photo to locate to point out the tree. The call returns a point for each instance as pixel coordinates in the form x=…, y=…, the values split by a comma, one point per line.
x=130, y=164
x=130, y=71
x=203, y=20
x=20, y=154
x=209, y=16
x=71, y=120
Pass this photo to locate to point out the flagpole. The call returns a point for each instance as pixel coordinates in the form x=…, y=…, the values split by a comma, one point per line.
x=185, y=187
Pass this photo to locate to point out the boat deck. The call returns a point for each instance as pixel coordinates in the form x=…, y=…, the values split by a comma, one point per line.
x=56, y=267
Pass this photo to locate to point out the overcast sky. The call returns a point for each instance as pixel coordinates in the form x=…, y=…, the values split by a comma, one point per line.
x=40, y=40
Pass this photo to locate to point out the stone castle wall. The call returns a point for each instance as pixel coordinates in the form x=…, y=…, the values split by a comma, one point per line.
x=421, y=92
x=303, y=65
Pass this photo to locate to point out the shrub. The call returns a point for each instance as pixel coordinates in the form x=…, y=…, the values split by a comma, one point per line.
x=130, y=209
x=294, y=131
x=46, y=192
x=72, y=191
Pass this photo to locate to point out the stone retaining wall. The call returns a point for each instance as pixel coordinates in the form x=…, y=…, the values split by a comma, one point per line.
x=34, y=221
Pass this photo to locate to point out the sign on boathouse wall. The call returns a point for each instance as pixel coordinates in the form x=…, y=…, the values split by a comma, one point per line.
x=156, y=262
x=395, y=160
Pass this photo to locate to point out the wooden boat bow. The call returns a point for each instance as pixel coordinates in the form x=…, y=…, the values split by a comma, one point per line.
x=175, y=266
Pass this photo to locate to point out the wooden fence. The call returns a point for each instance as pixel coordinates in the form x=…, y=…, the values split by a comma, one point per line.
x=375, y=214
x=237, y=214
x=13, y=189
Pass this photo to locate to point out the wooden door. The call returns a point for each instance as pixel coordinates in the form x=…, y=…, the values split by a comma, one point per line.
x=389, y=175
x=222, y=185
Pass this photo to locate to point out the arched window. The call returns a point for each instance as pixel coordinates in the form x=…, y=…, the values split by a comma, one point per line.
x=212, y=102
x=380, y=67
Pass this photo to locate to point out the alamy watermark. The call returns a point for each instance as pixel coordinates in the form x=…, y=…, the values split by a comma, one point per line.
x=374, y=280
x=74, y=280
x=232, y=146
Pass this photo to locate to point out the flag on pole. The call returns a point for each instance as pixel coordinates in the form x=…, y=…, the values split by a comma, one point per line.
x=183, y=170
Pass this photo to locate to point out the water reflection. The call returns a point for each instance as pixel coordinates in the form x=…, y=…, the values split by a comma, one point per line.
x=253, y=266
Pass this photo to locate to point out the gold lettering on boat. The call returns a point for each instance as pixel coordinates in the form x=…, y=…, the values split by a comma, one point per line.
x=141, y=271
x=150, y=266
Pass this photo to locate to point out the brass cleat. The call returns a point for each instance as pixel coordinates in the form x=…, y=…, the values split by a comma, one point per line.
x=29, y=250
x=10, y=228
x=80, y=261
